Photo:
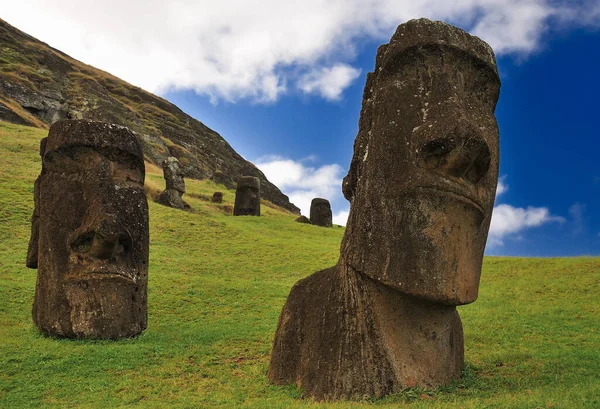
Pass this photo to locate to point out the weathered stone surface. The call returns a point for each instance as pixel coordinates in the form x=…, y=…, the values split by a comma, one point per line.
x=302, y=219
x=172, y=198
x=40, y=85
x=431, y=106
x=173, y=174
x=421, y=185
x=320, y=212
x=343, y=335
x=92, y=233
x=175, y=185
x=247, y=197
x=32, y=250
x=217, y=197
x=7, y=114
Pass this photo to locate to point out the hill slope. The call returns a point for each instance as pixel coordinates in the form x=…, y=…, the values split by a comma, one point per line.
x=39, y=85
x=217, y=284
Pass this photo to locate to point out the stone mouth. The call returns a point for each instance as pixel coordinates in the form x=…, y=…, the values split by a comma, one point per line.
x=101, y=272
x=458, y=195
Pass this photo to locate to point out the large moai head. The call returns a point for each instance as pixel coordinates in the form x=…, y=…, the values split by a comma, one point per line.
x=173, y=174
x=247, y=197
x=423, y=176
x=92, y=233
x=320, y=212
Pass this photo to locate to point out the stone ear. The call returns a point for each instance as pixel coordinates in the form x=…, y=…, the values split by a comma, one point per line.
x=362, y=138
x=349, y=184
x=32, y=250
x=43, y=143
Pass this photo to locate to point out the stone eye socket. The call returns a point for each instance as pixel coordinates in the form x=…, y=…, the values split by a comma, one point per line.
x=83, y=243
x=433, y=154
x=124, y=173
x=465, y=158
x=72, y=160
x=124, y=244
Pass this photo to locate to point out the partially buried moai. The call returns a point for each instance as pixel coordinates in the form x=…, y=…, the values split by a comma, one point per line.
x=320, y=212
x=247, y=197
x=175, y=185
x=421, y=185
x=89, y=237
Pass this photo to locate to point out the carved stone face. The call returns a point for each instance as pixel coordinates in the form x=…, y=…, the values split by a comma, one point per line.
x=425, y=166
x=320, y=212
x=93, y=233
x=173, y=174
x=175, y=185
x=247, y=197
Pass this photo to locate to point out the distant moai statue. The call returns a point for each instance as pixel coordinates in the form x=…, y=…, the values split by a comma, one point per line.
x=175, y=185
x=217, y=197
x=89, y=237
x=247, y=197
x=320, y=212
x=421, y=184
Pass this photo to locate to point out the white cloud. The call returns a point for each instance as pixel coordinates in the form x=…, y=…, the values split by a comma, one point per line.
x=502, y=186
x=341, y=217
x=329, y=82
x=577, y=211
x=260, y=50
x=516, y=31
x=587, y=13
x=300, y=182
x=508, y=221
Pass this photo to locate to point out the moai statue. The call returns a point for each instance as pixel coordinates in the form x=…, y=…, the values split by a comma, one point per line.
x=90, y=233
x=320, y=212
x=421, y=185
x=175, y=185
x=217, y=197
x=247, y=197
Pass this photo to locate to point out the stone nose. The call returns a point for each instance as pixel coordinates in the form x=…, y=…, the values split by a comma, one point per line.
x=460, y=157
x=105, y=240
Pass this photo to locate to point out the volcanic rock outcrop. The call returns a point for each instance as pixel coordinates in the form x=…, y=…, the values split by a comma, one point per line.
x=175, y=185
x=40, y=85
x=320, y=212
x=247, y=197
x=421, y=184
x=89, y=237
x=302, y=219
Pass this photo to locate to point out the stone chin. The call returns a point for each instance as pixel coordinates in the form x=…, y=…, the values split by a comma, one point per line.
x=440, y=242
x=105, y=309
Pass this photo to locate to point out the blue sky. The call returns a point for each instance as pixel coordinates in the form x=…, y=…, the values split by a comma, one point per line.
x=549, y=119
x=283, y=85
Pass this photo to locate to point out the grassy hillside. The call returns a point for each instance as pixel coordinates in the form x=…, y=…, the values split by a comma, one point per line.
x=217, y=284
x=40, y=85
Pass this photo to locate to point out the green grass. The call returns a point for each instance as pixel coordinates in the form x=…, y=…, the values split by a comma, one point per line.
x=217, y=285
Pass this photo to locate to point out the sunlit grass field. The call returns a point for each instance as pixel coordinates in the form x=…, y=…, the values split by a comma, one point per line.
x=217, y=284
